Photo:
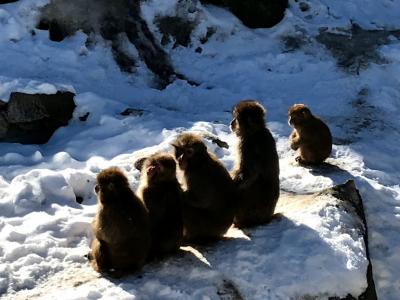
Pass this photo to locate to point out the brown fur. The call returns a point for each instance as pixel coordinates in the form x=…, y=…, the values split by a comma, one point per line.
x=210, y=196
x=161, y=192
x=311, y=136
x=256, y=173
x=121, y=226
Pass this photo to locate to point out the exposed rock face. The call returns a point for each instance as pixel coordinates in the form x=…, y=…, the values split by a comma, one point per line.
x=349, y=200
x=352, y=202
x=255, y=13
x=7, y=1
x=355, y=48
x=33, y=118
x=115, y=22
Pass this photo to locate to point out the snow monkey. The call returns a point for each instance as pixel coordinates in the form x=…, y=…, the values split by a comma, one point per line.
x=256, y=171
x=162, y=194
x=121, y=226
x=210, y=195
x=311, y=136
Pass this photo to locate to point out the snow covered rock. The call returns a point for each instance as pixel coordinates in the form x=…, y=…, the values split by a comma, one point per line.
x=255, y=13
x=33, y=118
x=316, y=248
x=7, y=1
x=120, y=23
x=356, y=48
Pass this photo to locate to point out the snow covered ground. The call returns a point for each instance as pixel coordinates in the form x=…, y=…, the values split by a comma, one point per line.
x=44, y=232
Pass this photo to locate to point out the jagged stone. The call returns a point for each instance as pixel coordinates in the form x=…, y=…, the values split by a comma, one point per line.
x=33, y=118
x=123, y=18
x=355, y=48
x=7, y=1
x=350, y=201
x=255, y=13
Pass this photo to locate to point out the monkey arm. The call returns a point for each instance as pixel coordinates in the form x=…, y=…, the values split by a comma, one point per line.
x=191, y=199
x=245, y=183
x=295, y=140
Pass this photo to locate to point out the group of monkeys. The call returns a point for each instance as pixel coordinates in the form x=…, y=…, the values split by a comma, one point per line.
x=131, y=229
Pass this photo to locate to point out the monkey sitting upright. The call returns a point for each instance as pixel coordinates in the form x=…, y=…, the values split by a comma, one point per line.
x=256, y=171
x=210, y=194
x=311, y=136
x=161, y=192
x=121, y=226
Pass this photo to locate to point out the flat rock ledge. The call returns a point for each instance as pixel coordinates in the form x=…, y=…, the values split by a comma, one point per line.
x=315, y=248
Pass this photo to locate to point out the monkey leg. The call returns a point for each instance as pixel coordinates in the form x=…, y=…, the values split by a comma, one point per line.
x=99, y=256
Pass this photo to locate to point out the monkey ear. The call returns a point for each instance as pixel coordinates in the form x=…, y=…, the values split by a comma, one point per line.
x=305, y=113
x=175, y=146
x=139, y=163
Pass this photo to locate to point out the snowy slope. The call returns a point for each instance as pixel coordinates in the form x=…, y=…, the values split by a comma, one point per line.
x=43, y=230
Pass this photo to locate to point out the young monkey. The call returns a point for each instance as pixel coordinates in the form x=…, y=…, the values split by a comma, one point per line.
x=121, y=226
x=161, y=192
x=256, y=171
x=210, y=194
x=310, y=136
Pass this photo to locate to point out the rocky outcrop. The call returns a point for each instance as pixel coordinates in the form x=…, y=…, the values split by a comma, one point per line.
x=304, y=253
x=346, y=198
x=33, y=118
x=119, y=22
x=355, y=48
x=255, y=13
x=7, y=1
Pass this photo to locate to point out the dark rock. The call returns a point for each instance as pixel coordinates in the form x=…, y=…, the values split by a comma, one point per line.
x=178, y=28
x=79, y=199
x=33, y=118
x=136, y=112
x=7, y=1
x=199, y=50
x=3, y=105
x=122, y=18
x=355, y=48
x=255, y=13
x=304, y=6
x=57, y=32
x=209, y=34
x=84, y=117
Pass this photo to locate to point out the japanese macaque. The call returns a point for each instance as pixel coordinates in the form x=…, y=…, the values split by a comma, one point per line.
x=256, y=172
x=162, y=194
x=311, y=136
x=210, y=195
x=121, y=226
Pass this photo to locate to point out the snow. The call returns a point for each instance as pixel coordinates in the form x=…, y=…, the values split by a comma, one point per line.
x=44, y=233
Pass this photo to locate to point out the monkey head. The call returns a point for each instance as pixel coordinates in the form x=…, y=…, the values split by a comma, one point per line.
x=189, y=150
x=109, y=183
x=299, y=114
x=159, y=167
x=247, y=115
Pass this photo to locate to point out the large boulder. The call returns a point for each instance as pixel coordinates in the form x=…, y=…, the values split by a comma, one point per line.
x=33, y=118
x=255, y=13
x=315, y=248
x=120, y=22
x=7, y=1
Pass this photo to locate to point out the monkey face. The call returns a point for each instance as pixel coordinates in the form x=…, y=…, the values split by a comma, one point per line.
x=183, y=156
x=110, y=182
x=298, y=114
x=159, y=168
x=247, y=116
x=189, y=149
